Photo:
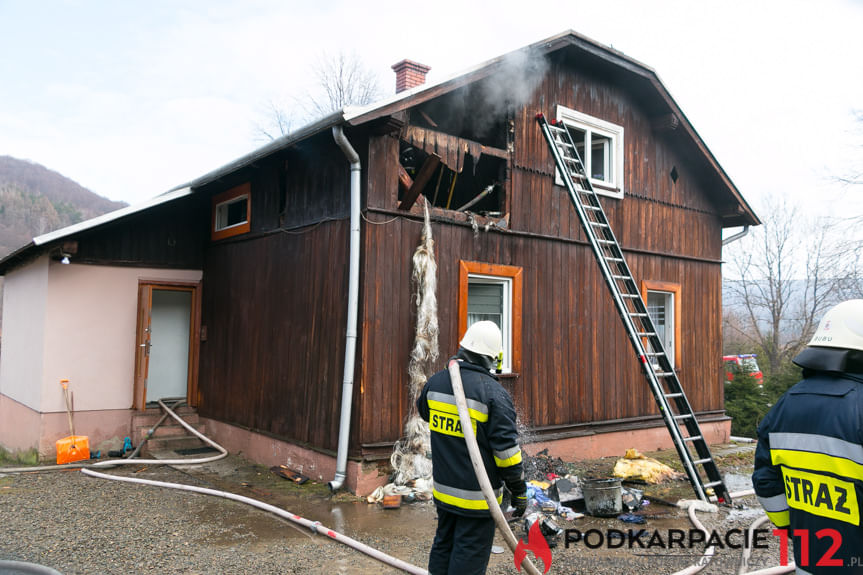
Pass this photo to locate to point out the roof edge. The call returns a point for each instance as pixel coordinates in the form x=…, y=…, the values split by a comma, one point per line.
x=276, y=145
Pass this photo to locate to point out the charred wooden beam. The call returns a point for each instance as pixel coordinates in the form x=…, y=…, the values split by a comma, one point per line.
x=405, y=180
x=426, y=171
x=390, y=125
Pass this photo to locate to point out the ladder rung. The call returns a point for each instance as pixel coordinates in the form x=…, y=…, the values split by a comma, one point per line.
x=712, y=484
x=594, y=208
x=614, y=259
x=608, y=242
x=693, y=438
x=621, y=277
x=599, y=225
x=629, y=295
x=634, y=314
x=655, y=353
x=646, y=334
x=672, y=395
x=684, y=416
x=664, y=373
x=701, y=461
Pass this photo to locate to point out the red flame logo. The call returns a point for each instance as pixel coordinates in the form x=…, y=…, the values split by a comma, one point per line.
x=536, y=543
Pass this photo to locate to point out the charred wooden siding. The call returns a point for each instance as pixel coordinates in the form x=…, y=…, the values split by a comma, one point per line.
x=171, y=235
x=577, y=364
x=274, y=301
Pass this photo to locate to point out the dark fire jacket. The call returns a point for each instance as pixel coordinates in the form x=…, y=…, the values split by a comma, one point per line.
x=809, y=470
x=493, y=418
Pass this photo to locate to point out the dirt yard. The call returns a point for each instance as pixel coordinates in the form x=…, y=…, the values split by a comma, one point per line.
x=79, y=524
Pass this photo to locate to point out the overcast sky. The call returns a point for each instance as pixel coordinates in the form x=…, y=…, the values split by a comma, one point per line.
x=131, y=99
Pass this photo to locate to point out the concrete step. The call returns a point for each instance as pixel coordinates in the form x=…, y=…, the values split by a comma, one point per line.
x=167, y=430
x=173, y=442
x=149, y=417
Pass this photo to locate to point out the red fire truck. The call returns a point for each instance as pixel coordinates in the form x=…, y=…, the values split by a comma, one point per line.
x=743, y=363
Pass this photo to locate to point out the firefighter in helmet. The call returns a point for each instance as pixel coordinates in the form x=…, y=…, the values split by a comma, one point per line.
x=809, y=461
x=465, y=529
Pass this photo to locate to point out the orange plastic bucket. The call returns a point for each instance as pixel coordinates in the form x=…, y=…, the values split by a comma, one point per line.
x=73, y=448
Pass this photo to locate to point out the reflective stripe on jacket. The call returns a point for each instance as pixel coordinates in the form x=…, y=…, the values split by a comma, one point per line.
x=493, y=420
x=809, y=467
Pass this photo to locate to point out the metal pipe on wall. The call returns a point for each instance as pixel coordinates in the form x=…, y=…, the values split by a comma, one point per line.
x=353, y=305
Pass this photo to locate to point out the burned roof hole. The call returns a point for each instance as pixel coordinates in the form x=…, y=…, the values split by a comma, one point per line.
x=478, y=188
x=674, y=175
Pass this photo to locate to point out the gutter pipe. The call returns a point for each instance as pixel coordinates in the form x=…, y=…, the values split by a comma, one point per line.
x=353, y=305
x=736, y=236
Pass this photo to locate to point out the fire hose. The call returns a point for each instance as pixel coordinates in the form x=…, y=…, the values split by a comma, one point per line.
x=315, y=526
x=479, y=467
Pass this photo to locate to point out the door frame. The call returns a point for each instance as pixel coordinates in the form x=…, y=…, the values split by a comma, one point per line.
x=142, y=338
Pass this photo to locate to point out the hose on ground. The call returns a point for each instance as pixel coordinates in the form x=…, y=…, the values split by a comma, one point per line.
x=479, y=467
x=744, y=559
x=315, y=526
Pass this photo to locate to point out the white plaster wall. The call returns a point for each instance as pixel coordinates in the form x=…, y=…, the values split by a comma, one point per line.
x=91, y=320
x=21, y=358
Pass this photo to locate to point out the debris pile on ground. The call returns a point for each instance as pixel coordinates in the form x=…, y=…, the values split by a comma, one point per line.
x=636, y=467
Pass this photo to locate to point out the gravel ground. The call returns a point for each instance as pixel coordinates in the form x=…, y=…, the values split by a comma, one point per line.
x=78, y=524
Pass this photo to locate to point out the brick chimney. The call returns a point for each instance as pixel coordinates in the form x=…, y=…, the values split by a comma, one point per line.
x=409, y=74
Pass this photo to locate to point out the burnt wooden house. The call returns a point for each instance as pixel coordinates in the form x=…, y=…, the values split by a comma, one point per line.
x=260, y=247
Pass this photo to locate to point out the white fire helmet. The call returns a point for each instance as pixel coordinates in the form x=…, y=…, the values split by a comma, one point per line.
x=841, y=326
x=483, y=337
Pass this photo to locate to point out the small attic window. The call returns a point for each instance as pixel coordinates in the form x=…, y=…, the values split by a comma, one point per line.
x=674, y=175
x=231, y=211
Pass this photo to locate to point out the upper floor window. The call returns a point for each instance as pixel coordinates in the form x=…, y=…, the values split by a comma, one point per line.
x=231, y=212
x=600, y=146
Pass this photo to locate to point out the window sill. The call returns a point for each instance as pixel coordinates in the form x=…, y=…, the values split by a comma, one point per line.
x=508, y=377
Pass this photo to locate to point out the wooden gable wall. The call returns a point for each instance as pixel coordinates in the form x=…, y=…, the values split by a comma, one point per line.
x=275, y=299
x=578, y=367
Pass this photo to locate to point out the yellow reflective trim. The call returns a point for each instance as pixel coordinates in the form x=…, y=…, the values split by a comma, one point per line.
x=447, y=424
x=450, y=408
x=821, y=495
x=464, y=503
x=509, y=461
x=816, y=462
x=779, y=518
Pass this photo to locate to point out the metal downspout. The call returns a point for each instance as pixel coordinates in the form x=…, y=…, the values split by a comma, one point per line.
x=353, y=305
x=736, y=236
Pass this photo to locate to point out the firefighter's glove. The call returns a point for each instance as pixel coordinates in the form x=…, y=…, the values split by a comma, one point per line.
x=520, y=503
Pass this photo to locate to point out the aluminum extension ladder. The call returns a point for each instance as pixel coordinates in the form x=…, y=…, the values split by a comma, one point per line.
x=648, y=346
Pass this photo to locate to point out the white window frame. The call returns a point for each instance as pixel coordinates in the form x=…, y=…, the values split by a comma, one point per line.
x=222, y=213
x=506, y=312
x=612, y=188
x=670, y=323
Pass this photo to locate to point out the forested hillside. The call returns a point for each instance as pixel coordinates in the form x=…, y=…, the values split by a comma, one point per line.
x=35, y=200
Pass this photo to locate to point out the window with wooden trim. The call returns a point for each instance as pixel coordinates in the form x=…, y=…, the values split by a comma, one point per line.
x=493, y=292
x=232, y=212
x=600, y=146
x=662, y=300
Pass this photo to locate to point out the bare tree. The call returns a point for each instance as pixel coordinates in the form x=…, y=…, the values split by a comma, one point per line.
x=340, y=80
x=855, y=176
x=781, y=289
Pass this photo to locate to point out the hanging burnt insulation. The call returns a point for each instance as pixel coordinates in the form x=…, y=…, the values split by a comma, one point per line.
x=410, y=459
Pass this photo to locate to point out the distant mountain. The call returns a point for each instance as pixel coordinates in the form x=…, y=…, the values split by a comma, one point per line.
x=35, y=200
